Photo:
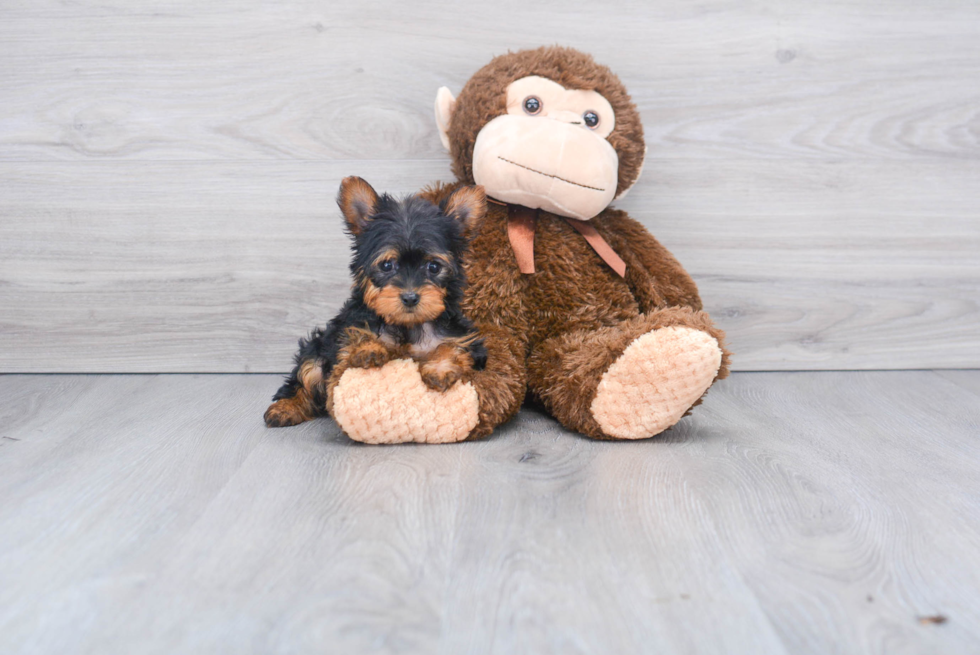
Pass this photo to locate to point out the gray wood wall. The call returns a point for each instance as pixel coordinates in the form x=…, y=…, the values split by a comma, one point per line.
x=167, y=169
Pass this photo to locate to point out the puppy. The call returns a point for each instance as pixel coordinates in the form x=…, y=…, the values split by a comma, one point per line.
x=405, y=301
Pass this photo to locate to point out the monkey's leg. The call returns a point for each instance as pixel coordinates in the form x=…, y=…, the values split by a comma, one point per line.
x=300, y=398
x=392, y=404
x=632, y=380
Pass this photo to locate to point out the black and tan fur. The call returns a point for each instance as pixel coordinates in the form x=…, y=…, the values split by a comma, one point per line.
x=405, y=300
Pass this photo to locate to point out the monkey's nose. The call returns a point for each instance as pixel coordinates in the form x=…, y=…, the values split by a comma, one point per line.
x=410, y=299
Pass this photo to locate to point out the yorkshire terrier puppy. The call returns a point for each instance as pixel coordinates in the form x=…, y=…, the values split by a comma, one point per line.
x=405, y=301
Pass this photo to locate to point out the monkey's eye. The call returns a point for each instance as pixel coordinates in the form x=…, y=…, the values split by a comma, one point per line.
x=387, y=265
x=532, y=105
x=591, y=118
x=434, y=268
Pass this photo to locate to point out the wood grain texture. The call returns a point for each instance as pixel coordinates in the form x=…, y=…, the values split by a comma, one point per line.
x=793, y=513
x=167, y=171
x=191, y=267
x=964, y=379
x=865, y=494
x=312, y=80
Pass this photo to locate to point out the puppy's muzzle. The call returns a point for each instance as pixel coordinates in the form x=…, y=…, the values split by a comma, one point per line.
x=410, y=299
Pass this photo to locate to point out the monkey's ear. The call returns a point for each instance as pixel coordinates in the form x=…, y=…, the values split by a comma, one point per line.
x=468, y=205
x=639, y=171
x=358, y=202
x=445, y=103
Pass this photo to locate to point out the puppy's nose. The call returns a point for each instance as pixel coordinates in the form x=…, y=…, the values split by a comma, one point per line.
x=410, y=299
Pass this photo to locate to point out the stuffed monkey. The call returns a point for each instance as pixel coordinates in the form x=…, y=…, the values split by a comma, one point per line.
x=577, y=303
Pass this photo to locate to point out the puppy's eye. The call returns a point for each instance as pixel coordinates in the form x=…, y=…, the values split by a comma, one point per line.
x=434, y=268
x=591, y=119
x=532, y=105
x=387, y=265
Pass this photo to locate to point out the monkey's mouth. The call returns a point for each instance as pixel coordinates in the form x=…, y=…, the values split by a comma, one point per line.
x=556, y=177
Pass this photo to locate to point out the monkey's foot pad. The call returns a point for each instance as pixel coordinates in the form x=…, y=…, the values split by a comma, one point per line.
x=392, y=404
x=655, y=381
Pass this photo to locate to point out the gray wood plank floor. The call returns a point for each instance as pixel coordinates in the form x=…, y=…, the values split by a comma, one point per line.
x=792, y=513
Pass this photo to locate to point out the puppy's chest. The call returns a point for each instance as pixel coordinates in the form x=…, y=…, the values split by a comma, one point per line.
x=418, y=339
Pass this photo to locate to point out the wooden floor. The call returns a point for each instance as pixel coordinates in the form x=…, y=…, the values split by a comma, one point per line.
x=817, y=512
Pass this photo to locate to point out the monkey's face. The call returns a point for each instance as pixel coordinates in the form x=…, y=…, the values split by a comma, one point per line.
x=547, y=128
x=549, y=150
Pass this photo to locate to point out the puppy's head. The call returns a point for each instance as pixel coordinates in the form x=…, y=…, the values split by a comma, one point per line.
x=407, y=253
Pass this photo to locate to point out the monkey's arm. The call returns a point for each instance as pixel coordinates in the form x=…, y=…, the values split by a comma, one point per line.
x=502, y=384
x=629, y=238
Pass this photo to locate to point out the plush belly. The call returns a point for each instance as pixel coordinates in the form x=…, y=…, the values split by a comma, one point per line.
x=572, y=287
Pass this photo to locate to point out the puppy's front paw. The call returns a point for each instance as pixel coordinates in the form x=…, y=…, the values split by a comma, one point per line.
x=285, y=412
x=371, y=354
x=445, y=366
x=440, y=374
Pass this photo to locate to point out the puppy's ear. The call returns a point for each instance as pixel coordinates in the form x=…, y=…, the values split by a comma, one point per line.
x=358, y=202
x=468, y=205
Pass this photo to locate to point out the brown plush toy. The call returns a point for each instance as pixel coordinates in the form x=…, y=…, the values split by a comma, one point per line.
x=578, y=304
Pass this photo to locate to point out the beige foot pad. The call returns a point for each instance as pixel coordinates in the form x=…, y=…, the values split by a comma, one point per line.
x=656, y=379
x=391, y=404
